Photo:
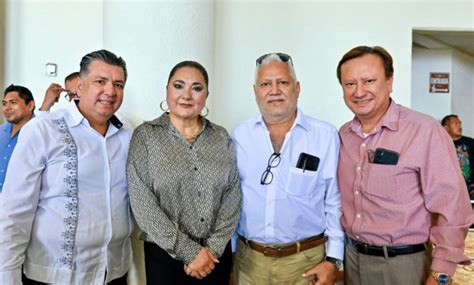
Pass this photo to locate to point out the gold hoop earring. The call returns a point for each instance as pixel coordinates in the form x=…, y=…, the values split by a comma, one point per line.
x=206, y=110
x=164, y=109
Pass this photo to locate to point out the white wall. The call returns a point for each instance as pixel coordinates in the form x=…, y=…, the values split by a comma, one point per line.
x=425, y=61
x=463, y=90
x=226, y=36
x=317, y=34
x=49, y=31
x=153, y=36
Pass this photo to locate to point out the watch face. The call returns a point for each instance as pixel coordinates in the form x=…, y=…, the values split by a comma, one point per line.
x=443, y=279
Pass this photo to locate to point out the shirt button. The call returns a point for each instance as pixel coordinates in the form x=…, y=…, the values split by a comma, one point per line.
x=8, y=145
x=202, y=219
x=357, y=192
x=5, y=158
x=199, y=194
x=358, y=216
x=357, y=237
x=358, y=168
x=195, y=168
x=191, y=147
x=363, y=145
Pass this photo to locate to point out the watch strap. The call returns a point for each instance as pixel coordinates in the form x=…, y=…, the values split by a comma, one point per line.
x=335, y=261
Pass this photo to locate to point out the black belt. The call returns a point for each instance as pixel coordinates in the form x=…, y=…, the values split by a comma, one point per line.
x=391, y=251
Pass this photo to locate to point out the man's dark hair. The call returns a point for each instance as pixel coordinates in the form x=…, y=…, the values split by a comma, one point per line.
x=72, y=76
x=104, y=56
x=446, y=119
x=191, y=64
x=363, y=50
x=23, y=92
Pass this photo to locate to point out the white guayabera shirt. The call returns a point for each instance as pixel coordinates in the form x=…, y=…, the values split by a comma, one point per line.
x=65, y=208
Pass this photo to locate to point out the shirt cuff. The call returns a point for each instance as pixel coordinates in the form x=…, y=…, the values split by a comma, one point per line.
x=335, y=248
x=187, y=249
x=443, y=266
x=10, y=277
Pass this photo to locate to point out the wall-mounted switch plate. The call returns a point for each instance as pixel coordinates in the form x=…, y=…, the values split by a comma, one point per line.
x=51, y=69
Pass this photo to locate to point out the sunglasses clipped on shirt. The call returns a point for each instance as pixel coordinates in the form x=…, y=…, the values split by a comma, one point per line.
x=283, y=57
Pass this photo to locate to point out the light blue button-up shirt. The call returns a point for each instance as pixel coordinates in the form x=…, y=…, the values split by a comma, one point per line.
x=65, y=212
x=7, y=144
x=297, y=204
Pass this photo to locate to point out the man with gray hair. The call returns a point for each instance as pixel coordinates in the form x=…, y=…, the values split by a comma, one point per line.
x=65, y=214
x=289, y=230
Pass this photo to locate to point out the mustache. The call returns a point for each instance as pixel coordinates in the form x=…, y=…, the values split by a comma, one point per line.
x=278, y=98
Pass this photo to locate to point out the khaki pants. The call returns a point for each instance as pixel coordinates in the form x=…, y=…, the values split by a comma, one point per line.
x=362, y=269
x=253, y=268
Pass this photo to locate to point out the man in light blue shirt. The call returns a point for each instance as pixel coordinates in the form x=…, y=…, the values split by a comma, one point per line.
x=289, y=230
x=65, y=216
x=17, y=108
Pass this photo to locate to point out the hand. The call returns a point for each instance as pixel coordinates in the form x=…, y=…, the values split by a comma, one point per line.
x=472, y=189
x=51, y=96
x=202, y=265
x=325, y=273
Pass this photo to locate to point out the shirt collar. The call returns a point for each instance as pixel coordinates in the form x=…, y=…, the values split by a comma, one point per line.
x=389, y=120
x=7, y=127
x=77, y=117
x=300, y=120
x=164, y=121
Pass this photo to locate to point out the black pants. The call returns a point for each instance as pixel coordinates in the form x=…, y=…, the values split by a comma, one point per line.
x=119, y=281
x=162, y=269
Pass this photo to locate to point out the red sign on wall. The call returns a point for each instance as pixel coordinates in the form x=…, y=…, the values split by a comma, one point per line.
x=439, y=82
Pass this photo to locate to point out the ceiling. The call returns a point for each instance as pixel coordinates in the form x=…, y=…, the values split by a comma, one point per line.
x=460, y=40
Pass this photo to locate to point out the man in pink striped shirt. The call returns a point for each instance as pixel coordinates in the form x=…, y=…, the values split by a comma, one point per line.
x=397, y=168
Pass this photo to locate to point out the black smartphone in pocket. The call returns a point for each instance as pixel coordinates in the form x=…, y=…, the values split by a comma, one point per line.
x=307, y=162
x=385, y=156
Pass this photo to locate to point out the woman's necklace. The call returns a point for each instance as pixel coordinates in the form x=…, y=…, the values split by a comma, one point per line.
x=191, y=137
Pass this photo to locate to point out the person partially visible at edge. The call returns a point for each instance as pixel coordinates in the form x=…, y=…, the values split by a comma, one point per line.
x=397, y=168
x=464, y=149
x=17, y=108
x=184, y=186
x=289, y=230
x=53, y=93
x=65, y=215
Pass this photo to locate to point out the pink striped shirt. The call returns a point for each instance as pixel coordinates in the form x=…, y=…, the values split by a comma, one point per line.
x=392, y=204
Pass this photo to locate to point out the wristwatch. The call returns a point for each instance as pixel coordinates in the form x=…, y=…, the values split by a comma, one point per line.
x=335, y=261
x=441, y=278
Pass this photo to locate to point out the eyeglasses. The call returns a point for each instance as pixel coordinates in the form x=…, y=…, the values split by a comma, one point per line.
x=70, y=95
x=267, y=175
x=283, y=57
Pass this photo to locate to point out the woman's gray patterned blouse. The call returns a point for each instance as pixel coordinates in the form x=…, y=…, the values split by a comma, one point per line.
x=184, y=194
